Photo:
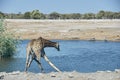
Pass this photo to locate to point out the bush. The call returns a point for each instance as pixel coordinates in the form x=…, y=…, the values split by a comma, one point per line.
x=8, y=43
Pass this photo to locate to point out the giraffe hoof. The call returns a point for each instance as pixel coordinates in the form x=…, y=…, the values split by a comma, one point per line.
x=42, y=71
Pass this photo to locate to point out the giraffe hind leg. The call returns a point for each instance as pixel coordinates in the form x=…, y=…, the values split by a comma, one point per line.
x=32, y=56
x=30, y=62
x=27, y=61
x=27, y=58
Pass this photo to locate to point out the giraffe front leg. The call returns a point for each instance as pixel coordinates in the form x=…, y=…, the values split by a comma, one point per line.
x=50, y=63
x=37, y=59
x=39, y=64
x=27, y=57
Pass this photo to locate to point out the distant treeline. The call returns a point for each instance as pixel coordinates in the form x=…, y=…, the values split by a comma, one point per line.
x=36, y=14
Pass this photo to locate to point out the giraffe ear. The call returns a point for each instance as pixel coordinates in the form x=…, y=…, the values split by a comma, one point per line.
x=57, y=44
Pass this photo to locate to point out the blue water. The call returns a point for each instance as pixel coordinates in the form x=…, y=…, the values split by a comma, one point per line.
x=74, y=55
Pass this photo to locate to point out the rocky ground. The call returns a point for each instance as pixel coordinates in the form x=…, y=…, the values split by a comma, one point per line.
x=66, y=29
x=100, y=75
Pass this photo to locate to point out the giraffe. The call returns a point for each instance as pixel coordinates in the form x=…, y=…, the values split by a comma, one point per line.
x=35, y=50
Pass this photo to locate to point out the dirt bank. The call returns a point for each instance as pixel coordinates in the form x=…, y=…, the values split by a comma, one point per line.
x=66, y=29
x=100, y=75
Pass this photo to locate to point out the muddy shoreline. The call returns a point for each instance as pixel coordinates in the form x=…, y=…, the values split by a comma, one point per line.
x=99, y=75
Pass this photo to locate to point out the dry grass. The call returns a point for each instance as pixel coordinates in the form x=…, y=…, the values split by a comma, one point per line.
x=66, y=29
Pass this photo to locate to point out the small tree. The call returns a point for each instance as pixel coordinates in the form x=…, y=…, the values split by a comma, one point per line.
x=76, y=16
x=27, y=15
x=100, y=15
x=108, y=15
x=54, y=15
x=42, y=16
x=65, y=16
x=35, y=14
x=89, y=16
x=116, y=15
x=8, y=42
x=2, y=15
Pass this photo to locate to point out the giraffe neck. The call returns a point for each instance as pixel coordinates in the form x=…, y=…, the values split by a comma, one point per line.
x=48, y=43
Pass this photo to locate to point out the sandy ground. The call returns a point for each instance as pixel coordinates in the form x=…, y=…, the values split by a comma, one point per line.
x=100, y=75
x=66, y=29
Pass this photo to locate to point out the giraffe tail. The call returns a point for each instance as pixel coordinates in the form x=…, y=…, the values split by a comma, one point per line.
x=51, y=64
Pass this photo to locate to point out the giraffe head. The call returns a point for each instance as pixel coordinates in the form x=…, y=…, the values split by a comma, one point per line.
x=57, y=46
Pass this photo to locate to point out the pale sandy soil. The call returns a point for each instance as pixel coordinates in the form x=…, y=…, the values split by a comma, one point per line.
x=66, y=29
x=100, y=75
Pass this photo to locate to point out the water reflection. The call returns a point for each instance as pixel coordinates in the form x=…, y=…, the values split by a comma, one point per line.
x=11, y=64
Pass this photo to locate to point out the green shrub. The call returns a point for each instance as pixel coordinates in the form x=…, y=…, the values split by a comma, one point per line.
x=8, y=42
